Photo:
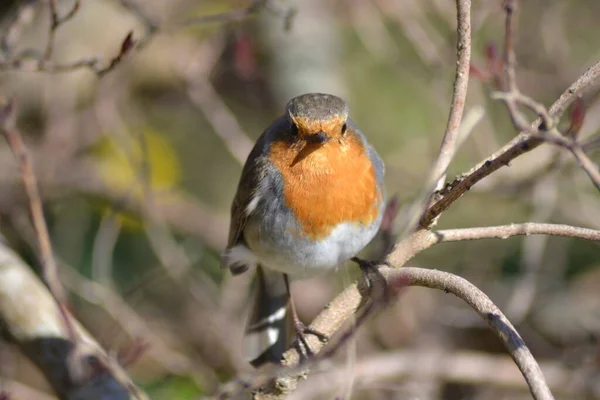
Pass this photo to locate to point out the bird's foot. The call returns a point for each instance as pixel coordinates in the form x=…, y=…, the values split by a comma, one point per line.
x=302, y=331
x=375, y=280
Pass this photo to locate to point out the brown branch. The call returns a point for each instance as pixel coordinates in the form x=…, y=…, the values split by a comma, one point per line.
x=30, y=60
x=55, y=22
x=31, y=63
x=459, y=95
x=34, y=322
x=463, y=367
x=75, y=352
x=506, y=231
x=501, y=326
x=204, y=96
x=521, y=144
x=349, y=302
x=48, y=262
x=513, y=98
x=510, y=60
x=590, y=168
x=398, y=278
x=525, y=141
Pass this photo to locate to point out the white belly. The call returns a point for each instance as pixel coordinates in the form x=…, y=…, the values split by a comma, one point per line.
x=301, y=258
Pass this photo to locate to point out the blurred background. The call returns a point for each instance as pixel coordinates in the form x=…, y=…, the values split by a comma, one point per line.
x=138, y=169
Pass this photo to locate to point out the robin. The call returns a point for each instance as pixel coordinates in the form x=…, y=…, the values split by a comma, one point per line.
x=310, y=197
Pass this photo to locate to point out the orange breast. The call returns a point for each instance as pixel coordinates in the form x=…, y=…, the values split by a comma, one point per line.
x=328, y=184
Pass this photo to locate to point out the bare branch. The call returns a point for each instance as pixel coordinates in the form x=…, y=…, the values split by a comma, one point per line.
x=547, y=130
x=32, y=60
x=204, y=96
x=76, y=352
x=501, y=326
x=31, y=63
x=459, y=95
x=521, y=144
x=590, y=168
x=399, y=278
x=506, y=231
x=510, y=60
x=49, y=266
x=466, y=367
x=350, y=300
x=55, y=22
x=35, y=323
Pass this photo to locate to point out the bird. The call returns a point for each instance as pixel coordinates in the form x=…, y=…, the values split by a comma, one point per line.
x=311, y=196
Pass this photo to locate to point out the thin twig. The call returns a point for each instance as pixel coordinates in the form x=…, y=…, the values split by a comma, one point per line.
x=32, y=60
x=81, y=349
x=521, y=144
x=203, y=95
x=506, y=231
x=55, y=22
x=513, y=98
x=459, y=95
x=590, y=168
x=34, y=322
x=31, y=63
x=48, y=262
x=510, y=60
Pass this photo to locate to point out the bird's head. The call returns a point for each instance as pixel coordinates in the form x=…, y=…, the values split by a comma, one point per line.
x=317, y=117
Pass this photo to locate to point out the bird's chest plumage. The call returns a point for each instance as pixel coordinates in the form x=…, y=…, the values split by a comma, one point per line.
x=327, y=185
x=329, y=207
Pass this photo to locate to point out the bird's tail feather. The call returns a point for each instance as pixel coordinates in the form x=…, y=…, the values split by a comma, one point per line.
x=268, y=330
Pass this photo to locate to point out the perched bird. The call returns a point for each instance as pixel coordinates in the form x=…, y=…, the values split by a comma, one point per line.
x=310, y=197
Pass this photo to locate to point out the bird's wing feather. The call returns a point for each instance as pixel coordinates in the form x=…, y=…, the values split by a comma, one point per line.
x=253, y=171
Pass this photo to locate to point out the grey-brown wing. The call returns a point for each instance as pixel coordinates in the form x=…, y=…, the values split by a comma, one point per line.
x=252, y=174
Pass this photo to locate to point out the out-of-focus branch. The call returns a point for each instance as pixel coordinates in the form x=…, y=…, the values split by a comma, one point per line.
x=49, y=266
x=513, y=98
x=203, y=95
x=20, y=391
x=55, y=22
x=128, y=319
x=454, y=367
x=24, y=16
x=179, y=211
x=74, y=350
x=32, y=60
x=28, y=62
x=35, y=323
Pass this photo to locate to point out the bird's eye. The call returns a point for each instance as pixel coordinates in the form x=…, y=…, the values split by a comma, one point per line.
x=344, y=128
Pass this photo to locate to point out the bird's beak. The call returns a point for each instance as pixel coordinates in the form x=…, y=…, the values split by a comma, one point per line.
x=318, y=138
